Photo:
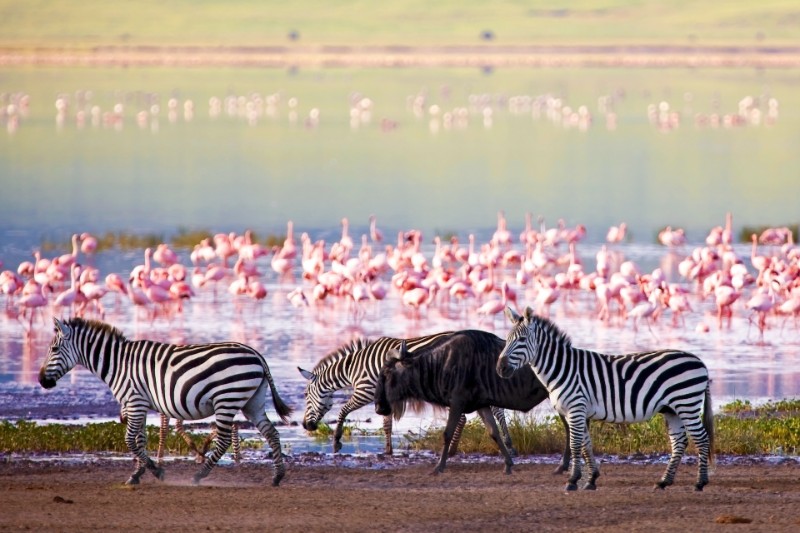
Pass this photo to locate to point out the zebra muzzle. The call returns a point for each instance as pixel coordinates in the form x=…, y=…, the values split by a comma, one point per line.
x=46, y=382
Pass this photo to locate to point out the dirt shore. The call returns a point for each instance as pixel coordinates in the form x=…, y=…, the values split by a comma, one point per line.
x=380, y=495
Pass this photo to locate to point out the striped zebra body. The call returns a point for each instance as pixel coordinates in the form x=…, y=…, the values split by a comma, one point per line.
x=357, y=364
x=585, y=385
x=186, y=382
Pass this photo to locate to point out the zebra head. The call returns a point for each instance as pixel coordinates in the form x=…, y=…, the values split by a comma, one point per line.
x=519, y=349
x=319, y=400
x=61, y=357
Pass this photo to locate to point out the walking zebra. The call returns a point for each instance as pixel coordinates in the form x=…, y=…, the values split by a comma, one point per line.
x=634, y=387
x=357, y=364
x=187, y=382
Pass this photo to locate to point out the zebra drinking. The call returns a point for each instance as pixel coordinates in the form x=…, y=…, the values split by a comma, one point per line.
x=187, y=382
x=634, y=387
x=357, y=364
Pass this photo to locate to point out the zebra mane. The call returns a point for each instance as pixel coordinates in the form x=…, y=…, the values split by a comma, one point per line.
x=551, y=330
x=82, y=323
x=346, y=349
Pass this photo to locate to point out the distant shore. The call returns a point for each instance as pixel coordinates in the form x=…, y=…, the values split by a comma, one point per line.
x=610, y=56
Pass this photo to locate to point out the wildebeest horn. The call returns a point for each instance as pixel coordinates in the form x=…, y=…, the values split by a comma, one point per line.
x=403, y=350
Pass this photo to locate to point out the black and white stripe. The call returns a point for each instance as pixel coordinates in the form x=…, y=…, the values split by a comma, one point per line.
x=187, y=382
x=357, y=364
x=584, y=385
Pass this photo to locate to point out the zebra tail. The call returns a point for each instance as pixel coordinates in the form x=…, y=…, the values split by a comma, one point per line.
x=281, y=408
x=708, y=423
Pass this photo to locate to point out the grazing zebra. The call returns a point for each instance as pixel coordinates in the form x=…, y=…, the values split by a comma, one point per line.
x=357, y=364
x=187, y=382
x=615, y=388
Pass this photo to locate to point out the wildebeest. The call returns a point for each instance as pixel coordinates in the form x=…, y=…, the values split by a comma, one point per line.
x=458, y=372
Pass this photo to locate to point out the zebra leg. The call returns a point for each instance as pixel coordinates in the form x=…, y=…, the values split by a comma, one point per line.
x=488, y=420
x=457, y=436
x=136, y=440
x=387, y=433
x=221, y=444
x=452, y=421
x=678, y=441
x=351, y=405
x=564, y=465
x=163, y=431
x=577, y=433
x=588, y=456
x=500, y=415
x=199, y=456
x=702, y=441
x=270, y=433
x=236, y=443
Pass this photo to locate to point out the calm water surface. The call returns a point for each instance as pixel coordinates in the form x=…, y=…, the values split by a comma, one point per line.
x=306, y=146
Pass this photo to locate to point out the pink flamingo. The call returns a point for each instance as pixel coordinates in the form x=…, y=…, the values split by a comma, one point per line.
x=492, y=308
x=725, y=296
x=761, y=303
x=256, y=290
x=164, y=255
x=616, y=234
x=32, y=300
x=374, y=233
x=88, y=243
x=289, y=249
x=297, y=298
x=70, y=297
x=419, y=297
x=760, y=262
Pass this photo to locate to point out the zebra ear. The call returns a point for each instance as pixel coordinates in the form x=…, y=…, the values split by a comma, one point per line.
x=59, y=326
x=528, y=315
x=512, y=315
x=306, y=374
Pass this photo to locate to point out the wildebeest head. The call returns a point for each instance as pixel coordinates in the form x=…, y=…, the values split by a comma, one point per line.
x=393, y=382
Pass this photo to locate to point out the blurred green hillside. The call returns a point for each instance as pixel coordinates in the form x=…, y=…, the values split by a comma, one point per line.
x=26, y=25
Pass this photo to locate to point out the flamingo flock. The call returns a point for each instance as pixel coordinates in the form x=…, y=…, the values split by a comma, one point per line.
x=469, y=281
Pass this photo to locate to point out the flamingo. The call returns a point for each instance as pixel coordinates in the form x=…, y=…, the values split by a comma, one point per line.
x=418, y=297
x=724, y=296
x=760, y=304
x=32, y=299
x=495, y=306
x=616, y=234
x=88, y=243
x=297, y=298
x=71, y=296
x=374, y=233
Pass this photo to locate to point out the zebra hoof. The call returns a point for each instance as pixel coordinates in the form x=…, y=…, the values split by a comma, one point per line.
x=337, y=446
x=276, y=480
x=572, y=486
x=508, y=470
x=196, y=480
x=132, y=481
x=658, y=486
x=159, y=473
x=698, y=488
x=590, y=486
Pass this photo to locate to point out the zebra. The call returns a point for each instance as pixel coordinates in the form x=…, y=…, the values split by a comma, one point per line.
x=186, y=382
x=357, y=364
x=584, y=385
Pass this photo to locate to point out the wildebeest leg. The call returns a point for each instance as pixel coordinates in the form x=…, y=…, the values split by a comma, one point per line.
x=488, y=420
x=449, y=430
x=457, y=435
x=564, y=466
x=500, y=415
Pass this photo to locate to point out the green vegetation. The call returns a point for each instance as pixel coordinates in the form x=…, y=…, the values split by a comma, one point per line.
x=91, y=23
x=740, y=429
x=29, y=437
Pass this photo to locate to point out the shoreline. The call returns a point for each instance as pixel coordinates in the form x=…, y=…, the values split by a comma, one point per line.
x=328, y=56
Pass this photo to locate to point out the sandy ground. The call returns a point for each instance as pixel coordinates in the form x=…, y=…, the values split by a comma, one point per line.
x=395, y=495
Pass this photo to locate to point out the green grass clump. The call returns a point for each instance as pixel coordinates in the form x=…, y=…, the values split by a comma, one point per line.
x=29, y=437
x=740, y=429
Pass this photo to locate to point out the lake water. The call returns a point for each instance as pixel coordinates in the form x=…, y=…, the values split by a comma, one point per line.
x=494, y=144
